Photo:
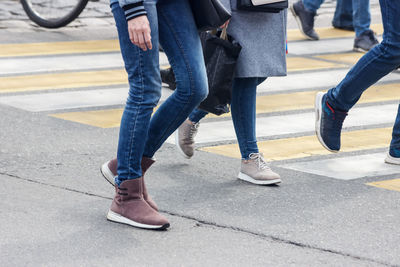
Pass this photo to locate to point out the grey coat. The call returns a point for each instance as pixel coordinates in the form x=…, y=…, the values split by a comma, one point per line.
x=263, y=40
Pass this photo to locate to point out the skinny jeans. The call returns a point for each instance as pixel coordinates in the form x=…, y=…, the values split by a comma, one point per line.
x=141, y=134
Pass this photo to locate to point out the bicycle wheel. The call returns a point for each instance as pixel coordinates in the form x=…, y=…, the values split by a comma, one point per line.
x=53, y=13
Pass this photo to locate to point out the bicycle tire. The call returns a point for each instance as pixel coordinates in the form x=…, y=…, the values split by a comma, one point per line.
x=56, y=22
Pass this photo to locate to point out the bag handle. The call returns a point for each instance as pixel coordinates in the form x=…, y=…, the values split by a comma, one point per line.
x=224, y=35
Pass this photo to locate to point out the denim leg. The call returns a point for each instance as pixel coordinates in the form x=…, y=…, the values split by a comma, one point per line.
x=361, y=16
x=312, y=5
x=144, y=93
x=243, y=105
x=181, y=43
x=197, y=114
x=396, y=132
x=375, y=64
x=343, y=14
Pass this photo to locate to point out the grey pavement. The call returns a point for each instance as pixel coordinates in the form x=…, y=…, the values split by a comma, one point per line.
x=54, y=200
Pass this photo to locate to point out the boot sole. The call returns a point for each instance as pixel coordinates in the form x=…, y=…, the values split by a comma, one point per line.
x=391, y=160
x=318, y=116
x=359, y=49
x=105, y=171
x=299, y=24
x=115, y=217
x=247, y=178
x=177, y=145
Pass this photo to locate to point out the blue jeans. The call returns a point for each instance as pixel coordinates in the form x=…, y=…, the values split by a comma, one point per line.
x=140, y=134
x=243, y=111
x=354, y=13
x=375, y=64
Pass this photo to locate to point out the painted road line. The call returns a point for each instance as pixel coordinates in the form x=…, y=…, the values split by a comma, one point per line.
x=109, y=77
x=349, y=58
x=343, y=168
x=302, y=64
x=388, y=184
x=62, y=80
x=96, y=46
x=309, y=80
x=266, y=126
x=329, y=33
x=279, y=103
x=305, y=100
x=306, y=146
x=294, y=124
x=13, y=66
x=72, y=100
x=65, y=63
x=97, y=118
x=53, y=48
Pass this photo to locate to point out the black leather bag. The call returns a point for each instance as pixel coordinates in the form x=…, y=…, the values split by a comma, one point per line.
x=220, y=55
x=209, y=14
x=276, y=7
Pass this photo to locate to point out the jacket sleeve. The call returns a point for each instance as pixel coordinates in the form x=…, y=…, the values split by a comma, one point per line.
x=133, y=8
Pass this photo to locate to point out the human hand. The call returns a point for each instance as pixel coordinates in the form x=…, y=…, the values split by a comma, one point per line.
x=140, y=32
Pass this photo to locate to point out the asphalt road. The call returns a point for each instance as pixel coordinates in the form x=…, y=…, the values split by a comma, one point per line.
x=57, y=127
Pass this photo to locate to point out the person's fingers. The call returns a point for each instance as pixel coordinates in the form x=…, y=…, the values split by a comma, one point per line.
x=142, y=45
x=147, y=39
x=135, y=40
x=131, y=34
x=139, y=32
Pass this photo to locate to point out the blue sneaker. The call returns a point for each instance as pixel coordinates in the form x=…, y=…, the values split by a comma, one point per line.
x=393, y=156
x=328, y=123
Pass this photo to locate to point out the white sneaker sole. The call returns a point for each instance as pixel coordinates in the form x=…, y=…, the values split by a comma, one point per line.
x=115, y=217
x=359, y=49
x=391, y=160
x=249, y=179
x=177, y=145
x=318, y=116
x=107, y=174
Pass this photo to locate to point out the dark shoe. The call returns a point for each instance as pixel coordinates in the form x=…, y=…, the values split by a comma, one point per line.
x=393, y=156
x=305, y=20
x=129, y=207
x=168, y=77
x=328, y=123
x=109, y=171
x=345, y=28
x=365, y=42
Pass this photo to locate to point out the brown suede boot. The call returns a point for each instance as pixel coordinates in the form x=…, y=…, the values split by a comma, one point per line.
x=129, y=207
x=109, y=171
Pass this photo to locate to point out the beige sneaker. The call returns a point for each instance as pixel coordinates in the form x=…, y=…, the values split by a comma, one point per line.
x=255, y=170
x=184, y=138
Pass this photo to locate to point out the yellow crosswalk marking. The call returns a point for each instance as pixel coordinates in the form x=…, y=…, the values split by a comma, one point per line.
x=265, y=104
x=53, y=48
x=305, y=146
x=305, y=100
x=110, y=77
x=388, y=184
x=62, y=80
x=350, y=58
x=99, y=118
x=330, y=32
x=95, y=46
x=301, y=64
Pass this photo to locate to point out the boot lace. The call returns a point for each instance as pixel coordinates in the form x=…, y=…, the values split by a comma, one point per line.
x=193, y=131
x=258, y=158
